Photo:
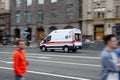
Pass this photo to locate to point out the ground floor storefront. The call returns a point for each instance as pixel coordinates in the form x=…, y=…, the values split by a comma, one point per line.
x=37, y=33
x=96, y=29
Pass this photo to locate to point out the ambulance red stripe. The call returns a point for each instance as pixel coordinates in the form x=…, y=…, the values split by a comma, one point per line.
x=61, y=42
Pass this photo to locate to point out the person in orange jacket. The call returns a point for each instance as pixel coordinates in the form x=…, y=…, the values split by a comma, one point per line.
x=20, y=62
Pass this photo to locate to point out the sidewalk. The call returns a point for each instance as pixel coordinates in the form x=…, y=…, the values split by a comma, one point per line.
x=33, y=45
x=94, y=46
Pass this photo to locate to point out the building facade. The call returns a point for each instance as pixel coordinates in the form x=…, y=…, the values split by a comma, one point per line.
x=4, y=19
x=101, y=17
x=40, y=17
x=5, y=4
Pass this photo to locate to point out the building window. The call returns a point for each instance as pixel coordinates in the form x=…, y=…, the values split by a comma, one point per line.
x=40, y=15
x=53, y=1
x=53, y=14
x=99, y=13
x=28, y=17
x=69, y=12
x=3, y=1
x=2, y=21
x=117, y=11
x=98, y=0
x=18, y=2
x=40, y=1
x=117, y=31
x=17, y=17
x=28, y=2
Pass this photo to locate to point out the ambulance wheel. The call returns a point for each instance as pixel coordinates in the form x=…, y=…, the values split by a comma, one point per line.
x=74, y=50
x=66, y=49
x=43, y=49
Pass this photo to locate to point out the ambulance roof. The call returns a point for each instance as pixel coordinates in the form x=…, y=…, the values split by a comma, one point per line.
x=67, y=30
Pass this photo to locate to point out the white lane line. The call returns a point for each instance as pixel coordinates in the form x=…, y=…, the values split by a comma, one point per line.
x=10, y=62
x=5, y=52
x=64, y=56
x=59, y=62
x=42, y=57
x=57, y=75
x=49, y=74
x=6, y=62
x=82, y=64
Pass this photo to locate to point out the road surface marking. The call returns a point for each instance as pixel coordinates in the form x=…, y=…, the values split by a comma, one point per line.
x=65, y=56
x=49, y=74
x=6, y=62
x=5, y=52
x=42, y=57
x=59, y=62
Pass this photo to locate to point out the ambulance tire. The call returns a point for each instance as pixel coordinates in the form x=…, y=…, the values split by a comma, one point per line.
x=43, y=49
x=74, y=50
x=66, y=49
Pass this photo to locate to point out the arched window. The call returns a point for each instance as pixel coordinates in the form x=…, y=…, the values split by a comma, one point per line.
x=52, y=29
x=68, y=27
x=40, y=33
x=29, y=37
x=17, y=33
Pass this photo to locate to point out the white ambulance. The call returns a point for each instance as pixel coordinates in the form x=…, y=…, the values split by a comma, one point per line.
x=64, y=39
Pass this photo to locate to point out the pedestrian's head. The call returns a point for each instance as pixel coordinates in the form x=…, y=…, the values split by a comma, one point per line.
x=20, y=44
x=110, y=40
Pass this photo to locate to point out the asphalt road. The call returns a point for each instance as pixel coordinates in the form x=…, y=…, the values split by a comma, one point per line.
x=83, y=65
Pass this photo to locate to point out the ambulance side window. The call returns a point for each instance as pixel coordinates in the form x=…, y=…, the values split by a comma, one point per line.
x=47, y=39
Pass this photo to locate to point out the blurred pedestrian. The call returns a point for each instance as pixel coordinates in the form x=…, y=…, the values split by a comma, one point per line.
x=109, y=60
x=20, y=61
x=117, y=51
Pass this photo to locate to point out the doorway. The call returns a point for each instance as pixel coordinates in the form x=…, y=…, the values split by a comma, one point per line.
x=40, y=33
x=98, y=32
